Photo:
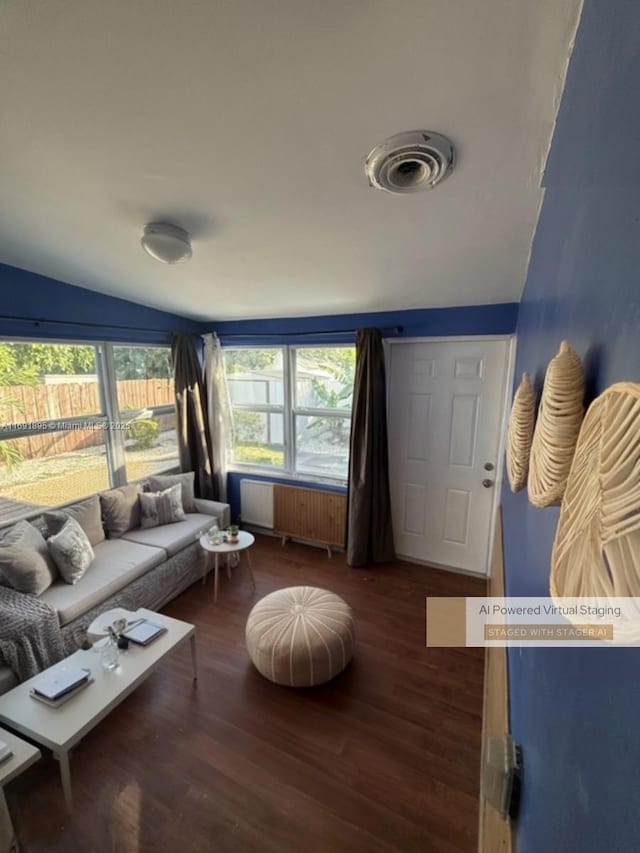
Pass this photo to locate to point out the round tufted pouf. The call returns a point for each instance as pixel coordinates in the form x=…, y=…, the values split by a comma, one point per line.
x=300, y=636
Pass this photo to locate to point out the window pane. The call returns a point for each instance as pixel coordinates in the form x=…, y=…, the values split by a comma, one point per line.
x=151, y=445
x=259, y=438
x=255, y=376
x=322, y=446
x=51, y=468
x=324, y=377
x=40, y=382
x=144, y=380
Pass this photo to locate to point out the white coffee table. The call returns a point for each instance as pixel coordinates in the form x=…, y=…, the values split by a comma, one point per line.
x=245, y=541
x=23, y=756
x=60, y=729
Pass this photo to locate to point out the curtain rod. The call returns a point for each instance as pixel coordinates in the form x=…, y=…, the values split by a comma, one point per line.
x=396, y=330
x=41, y=321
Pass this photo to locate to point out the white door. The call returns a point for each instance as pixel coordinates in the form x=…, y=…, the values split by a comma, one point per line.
x=446, y=407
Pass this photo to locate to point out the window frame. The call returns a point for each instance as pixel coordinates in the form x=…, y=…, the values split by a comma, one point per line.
x=110, y=413
x=290, y=411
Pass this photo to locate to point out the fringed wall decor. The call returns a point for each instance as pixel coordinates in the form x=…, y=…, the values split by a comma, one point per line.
x=596, y=552
x=520, y=434
x=556, y=431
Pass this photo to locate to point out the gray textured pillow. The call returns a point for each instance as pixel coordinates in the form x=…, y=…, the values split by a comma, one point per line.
x=88, y=515
x=25, y=563
x=71, y=551
x=165, y=507
x=160, y=482
x=120, y=510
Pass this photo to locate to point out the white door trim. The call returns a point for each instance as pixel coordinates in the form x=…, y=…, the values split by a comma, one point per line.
x=510, y=339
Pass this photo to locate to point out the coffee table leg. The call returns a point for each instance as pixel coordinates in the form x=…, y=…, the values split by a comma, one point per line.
x=215, y=577
x=65, y=777
x=194, y=657
x=228, y=562
x=250, y=567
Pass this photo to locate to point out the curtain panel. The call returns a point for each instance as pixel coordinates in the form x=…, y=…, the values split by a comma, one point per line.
x=369, y=526
x=219, y=410
x=194, y=438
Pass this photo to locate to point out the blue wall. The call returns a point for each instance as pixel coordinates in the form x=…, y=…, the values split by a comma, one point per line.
x=426, y=322
x=57, y=310
x=576, y=712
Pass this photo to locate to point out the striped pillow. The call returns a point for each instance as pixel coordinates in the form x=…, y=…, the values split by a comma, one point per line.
x=157, y=508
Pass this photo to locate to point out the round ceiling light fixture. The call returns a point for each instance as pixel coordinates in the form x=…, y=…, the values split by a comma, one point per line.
x=409, y=162
x=166, y=243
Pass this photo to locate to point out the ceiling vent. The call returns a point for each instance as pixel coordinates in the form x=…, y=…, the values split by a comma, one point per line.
x=409, y=162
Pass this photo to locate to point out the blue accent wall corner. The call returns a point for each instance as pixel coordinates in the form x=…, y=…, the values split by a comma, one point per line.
x=575, y=711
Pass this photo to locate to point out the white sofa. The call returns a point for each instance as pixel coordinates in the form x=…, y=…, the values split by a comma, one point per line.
x=142, y=568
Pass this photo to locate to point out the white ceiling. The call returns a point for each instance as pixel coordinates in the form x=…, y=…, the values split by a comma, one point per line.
x=247, y=123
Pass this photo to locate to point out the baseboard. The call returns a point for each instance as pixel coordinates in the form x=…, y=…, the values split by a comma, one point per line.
x=495, y=834
x=440, y=566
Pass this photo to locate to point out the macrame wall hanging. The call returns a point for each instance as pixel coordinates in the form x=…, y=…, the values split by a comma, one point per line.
x=557, y=427
x=520, y=434
x=596, y=551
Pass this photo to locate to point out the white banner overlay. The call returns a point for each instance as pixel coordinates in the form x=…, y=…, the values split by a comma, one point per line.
x=553, y=622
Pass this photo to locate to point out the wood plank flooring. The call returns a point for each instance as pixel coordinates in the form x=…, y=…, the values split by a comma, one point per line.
x=384, y=758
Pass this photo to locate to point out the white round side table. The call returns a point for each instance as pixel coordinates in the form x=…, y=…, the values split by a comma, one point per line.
x=245, y=541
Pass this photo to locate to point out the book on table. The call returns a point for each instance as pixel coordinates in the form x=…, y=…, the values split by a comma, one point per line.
x=144, y=632
x=55, y=685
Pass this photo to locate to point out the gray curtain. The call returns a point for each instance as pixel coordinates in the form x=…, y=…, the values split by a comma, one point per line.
x=194, y=438
x=369, y=528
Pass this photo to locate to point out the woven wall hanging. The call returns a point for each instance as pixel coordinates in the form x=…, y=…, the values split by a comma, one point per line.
x=520, y=434
x=596, y=551
x=556, y=431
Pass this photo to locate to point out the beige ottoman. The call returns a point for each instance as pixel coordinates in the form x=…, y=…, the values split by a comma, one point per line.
x=300, y=636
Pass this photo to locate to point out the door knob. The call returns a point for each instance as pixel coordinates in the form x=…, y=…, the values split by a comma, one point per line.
x=487, y=483
x=488, y=466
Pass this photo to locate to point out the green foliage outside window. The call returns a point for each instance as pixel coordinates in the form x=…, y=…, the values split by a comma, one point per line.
x=246, y=360
x=144, y=431
x=26, y=363
x=255, y=454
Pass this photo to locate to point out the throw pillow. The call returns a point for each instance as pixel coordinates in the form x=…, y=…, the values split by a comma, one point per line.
x=160, y=482
x=71, y=551
x=120, y=510
x=165, y=507
x=25, y=563
x=86, y=513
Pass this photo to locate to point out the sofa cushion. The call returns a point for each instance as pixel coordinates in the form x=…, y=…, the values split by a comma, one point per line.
x=87, y=513
x=120, y=509
x=172, y=537
x=160, y=482
x=25, y=562
x=71, y=551
x=116, y=564
x=158, y=508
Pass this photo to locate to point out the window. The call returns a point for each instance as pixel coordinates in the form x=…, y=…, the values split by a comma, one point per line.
x=145, y=397
x=292, y=407
x=67, y=431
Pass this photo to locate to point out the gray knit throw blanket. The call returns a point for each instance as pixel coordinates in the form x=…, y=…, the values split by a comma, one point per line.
x=30, y=636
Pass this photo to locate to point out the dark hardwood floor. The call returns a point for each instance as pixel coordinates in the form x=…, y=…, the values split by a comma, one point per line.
x=383, y=758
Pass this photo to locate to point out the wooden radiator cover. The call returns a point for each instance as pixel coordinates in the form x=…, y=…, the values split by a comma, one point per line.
x=310, y=514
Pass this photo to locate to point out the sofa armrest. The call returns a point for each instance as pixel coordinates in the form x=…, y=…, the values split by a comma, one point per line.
x=221, y=511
